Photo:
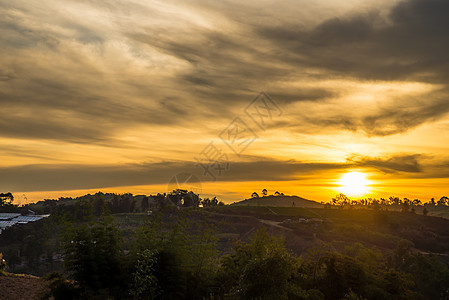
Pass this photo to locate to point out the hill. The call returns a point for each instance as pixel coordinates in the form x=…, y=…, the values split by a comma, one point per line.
x=279, y=201
x=373, y=244
x=15, y=286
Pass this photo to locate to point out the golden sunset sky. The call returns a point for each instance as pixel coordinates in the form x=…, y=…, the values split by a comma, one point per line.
x=123, y=96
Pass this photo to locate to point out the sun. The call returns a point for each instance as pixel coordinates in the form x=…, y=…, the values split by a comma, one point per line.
x=354, y=184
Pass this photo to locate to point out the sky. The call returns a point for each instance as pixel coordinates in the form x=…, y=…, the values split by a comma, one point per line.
x=227, y=97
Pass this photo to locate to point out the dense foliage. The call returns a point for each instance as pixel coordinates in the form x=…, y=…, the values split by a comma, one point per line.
x=182, y=252
x=173, y=257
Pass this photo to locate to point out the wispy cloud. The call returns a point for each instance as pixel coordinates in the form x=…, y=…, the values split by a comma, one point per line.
x=97, y=73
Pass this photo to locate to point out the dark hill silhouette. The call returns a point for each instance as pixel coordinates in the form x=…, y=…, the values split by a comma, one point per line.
x=278, y=201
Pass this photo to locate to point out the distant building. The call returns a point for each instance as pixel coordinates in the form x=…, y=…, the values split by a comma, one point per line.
x=11, y=219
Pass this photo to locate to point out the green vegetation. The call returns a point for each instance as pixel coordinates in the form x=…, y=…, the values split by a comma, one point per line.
x=174, y=257
x=229, y=252
x=6, y=199
x=93, y=258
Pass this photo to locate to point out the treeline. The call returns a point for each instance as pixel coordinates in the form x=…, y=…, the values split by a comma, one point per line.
x=174, y=256
x=35, y=247
x=405, y=204
x=6, y=202
x=78, y=208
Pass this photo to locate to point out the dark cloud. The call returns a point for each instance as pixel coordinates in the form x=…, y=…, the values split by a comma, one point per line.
x=408, y=163
x=59, y=82
x=293, y=95
x=55, y=87
x=223, y=67
x=5, y=76
x=410, y=114
x=399, y=115
x=410, y=44
x=71, y=177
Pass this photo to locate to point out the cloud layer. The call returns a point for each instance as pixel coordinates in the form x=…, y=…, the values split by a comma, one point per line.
x=71, y=177
x=127, y=63
x=97, y=73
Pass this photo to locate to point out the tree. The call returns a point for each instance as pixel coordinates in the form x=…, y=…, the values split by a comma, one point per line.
x=405, y=205
x=394, y=200
x=375, y=204
x=6, y=198
x=431, y=275
x=338, y=274
x=260, y=269
x=98, y=204
x=185, y=251
x=145, y=283
x=277, y=193
x=184, y=198
x=84, y=210
x=444, y=201
x=341, y=199
x=92, y=255
x=264, y=192
x=268, y=278
x=397, y=283
x=161, y=200
x=144, y=205
x=254, y=195
x=416, y=202
x=206, y=202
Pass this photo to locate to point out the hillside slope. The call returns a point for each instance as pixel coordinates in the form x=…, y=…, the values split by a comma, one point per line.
x=14, y=286
x=279, y=201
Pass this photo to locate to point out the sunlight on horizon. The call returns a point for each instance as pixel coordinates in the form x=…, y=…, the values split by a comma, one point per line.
x=354, y=184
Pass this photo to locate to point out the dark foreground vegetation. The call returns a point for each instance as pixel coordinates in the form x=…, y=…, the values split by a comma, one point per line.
x=230, y=252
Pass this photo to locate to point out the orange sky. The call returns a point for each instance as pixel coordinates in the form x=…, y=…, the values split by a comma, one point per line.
x=122, y=97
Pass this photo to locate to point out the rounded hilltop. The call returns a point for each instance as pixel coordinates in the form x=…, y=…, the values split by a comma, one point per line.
x=278, y=201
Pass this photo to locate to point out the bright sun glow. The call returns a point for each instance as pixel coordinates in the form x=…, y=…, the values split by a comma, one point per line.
x=354, y=184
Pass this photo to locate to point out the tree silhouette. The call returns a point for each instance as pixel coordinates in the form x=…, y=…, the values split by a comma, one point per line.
x=405, y=205
x=254, y=195
x=183, y=197
x=206, y=202
x=277, y=193
x=341, y=199
x=264, y=192
x=395, y=200
x=6, y=199
x=443, y=201
x=144, y=205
